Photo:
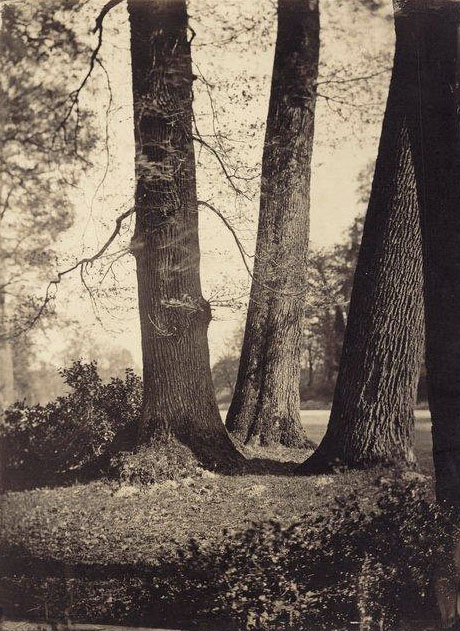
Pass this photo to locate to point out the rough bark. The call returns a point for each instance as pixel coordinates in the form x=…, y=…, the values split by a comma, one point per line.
x=434, y=29
x=179, y=400
x=6, y=352
x=6, y=358
x=265, y=405
x=372, y=419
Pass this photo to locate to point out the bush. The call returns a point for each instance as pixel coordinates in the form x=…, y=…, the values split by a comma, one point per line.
x=365, y=560
x=72, y=431
x=165, y=459
x=368, y=556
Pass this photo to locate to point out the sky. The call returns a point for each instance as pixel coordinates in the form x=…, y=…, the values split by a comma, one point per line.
x=233, y=55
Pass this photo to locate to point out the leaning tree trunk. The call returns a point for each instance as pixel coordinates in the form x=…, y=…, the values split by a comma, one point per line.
x=372, y=418
x=179, y=400
x=436, y=144
x=266, y=402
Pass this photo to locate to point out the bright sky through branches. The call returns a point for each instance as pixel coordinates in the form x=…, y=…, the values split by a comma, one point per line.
x=233, y=54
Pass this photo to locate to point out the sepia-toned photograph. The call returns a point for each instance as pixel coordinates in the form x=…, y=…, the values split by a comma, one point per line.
x=229, y=315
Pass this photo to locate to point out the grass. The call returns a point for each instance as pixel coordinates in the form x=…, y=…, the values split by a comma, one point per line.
x=102, y=522
x=105, y=523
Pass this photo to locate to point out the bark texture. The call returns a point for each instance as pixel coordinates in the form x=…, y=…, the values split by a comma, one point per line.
x=7, y=390
x=265, y=405
x=433, y=27
x=179, y=398
x=372, y=418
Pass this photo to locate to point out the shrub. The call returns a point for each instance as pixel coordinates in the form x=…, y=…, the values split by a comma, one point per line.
x=367, y=559
x=165, y=459
x=72, y=431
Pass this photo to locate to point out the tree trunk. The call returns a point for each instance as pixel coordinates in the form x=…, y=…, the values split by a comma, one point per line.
x=310, y=367
x=339, y=332
x=372, y=418
x=265, y=405
x=6, y=351
x=436, y=146
x=179, y=400
x=7, y=392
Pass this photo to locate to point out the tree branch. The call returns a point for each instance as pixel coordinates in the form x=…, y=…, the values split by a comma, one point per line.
x=75, y=95
x=228, y=225
x=105, y=9
x=244, y=254
x=82, y=264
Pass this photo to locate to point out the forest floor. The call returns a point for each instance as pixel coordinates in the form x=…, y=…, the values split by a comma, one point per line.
x=105, y=523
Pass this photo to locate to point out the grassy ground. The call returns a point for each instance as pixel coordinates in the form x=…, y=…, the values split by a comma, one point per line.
x=101, y=522
x=105, y=523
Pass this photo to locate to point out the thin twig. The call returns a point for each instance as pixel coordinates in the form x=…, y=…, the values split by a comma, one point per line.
x=82, y=264
x=228, y=225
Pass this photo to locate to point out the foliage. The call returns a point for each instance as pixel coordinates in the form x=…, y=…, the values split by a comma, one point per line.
x=330, y=282
x=70, y=432
x=157, y=462
x=225, y=370
x=44, y=140
x=367, y=551
x=364, y=559
x=224, y=374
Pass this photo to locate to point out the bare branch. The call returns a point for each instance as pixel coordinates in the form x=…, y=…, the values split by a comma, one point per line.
x=358, y=78
x=75, y=95
x=218, y=157
x=228, y=225
x=105, y=9
x=244, y=254
x=82, y=264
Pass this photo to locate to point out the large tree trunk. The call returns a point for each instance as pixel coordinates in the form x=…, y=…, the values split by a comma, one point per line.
x=179, y=400
x=265, y=405
x=372, y=418
x=436, y=142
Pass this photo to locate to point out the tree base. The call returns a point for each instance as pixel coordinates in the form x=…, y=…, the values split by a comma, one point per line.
x=262, y=432
x=324, y=461
x=160, y=461
x=320, y=464
x=167, y=458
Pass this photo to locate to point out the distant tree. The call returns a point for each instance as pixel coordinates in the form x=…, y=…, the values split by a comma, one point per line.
x=224, y=373
x=112, y=361
x=225, y=370
x=265, y=405
x=42, y=143
x=372, y=417
x=178, y=401
x=329, y=284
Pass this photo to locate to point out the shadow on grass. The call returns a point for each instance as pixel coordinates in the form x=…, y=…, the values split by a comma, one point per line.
x=256, y=460
x=55, y=591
